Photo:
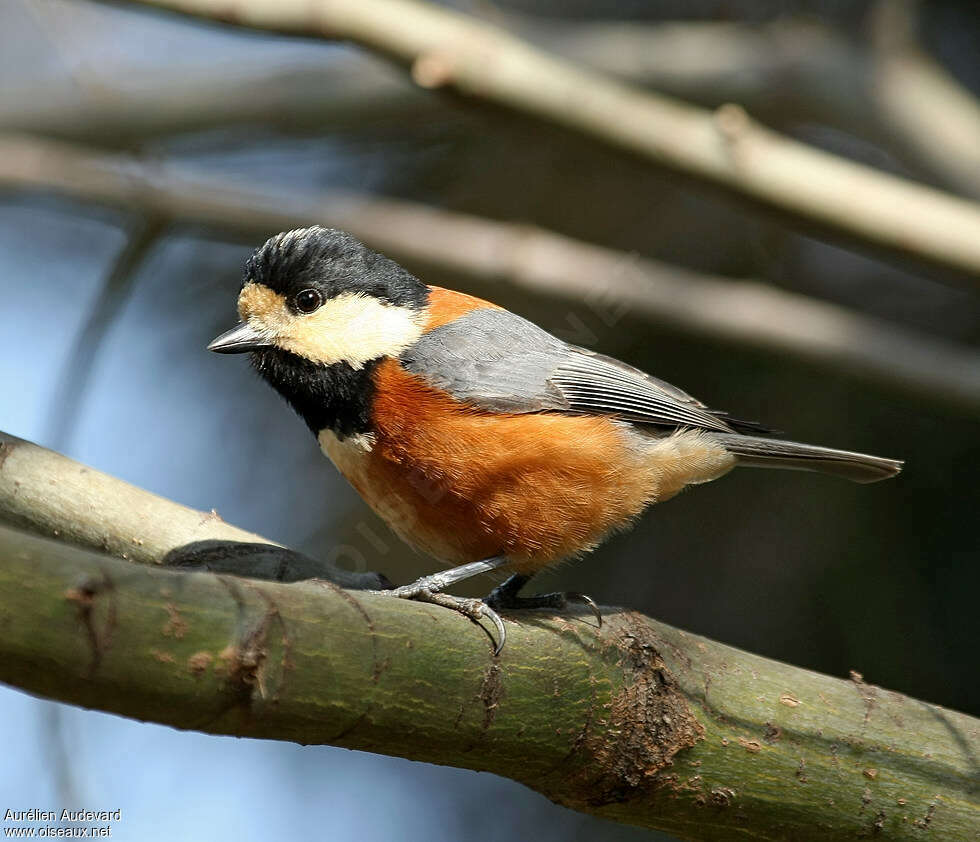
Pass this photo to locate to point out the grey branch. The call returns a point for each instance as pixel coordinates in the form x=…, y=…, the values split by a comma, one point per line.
x=445, y=49
x=171, y=100
x=890, y=92
x=788, y=70
x=919, y=102
x=745, y=313
x=636, y=721
x=49, y=494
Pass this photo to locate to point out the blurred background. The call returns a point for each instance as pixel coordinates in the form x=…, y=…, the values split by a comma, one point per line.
x=106, y=309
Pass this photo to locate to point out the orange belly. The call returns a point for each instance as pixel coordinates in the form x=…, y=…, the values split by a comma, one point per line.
x=463, y=485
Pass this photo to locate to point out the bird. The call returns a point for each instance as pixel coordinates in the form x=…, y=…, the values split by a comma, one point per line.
x=480, y=438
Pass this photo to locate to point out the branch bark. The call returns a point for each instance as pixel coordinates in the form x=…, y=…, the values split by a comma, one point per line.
x=446, y=49
x=636, y=722
x=742, y=312
x=46, y=493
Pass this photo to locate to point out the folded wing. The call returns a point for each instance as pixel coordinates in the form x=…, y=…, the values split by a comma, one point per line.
x=498, y=361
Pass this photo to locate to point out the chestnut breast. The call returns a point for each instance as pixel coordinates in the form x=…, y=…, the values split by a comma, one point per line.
x=463, y=484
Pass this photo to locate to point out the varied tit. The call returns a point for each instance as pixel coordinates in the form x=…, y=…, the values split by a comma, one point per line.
x=480, y=438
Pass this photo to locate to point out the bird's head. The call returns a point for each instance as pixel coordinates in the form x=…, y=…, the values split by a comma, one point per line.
x=321, y=295
x=318, y=309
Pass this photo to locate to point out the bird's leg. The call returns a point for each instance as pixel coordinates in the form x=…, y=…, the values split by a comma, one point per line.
x=505, y=596
x=437, y=582
x=429, y=589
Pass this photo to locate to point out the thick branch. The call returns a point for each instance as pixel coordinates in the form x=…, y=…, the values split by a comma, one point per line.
x=47, y=493
x=610, y=283
x=636, y=722
x=447, y=49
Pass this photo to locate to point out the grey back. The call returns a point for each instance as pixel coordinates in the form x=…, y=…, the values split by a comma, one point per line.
x=500, y=362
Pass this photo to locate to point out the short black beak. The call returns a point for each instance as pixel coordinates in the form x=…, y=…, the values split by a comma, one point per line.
x=239, y=340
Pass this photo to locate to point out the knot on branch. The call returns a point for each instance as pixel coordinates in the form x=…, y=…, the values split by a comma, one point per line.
x=647, y=721
x=99, y=625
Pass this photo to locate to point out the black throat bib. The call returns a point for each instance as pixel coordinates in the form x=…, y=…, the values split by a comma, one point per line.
x=337, y=397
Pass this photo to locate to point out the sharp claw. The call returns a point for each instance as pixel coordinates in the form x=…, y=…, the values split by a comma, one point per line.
x=474, y=609
x=478, y=610
x=495, y=618
x=587, y=600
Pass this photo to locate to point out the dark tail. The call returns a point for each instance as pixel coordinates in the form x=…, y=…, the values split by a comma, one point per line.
x=772, y=453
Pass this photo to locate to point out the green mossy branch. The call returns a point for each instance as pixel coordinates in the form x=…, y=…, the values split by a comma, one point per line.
x=636, y=722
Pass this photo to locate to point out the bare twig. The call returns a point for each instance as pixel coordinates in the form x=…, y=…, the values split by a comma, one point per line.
x=336, y=92
x=891, y=93
x=445, y=49
x=934, y=115
x=745, y=313
x=787, y=70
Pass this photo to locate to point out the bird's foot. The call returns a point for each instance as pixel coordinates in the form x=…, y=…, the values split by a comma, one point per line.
x=504, y=597
x=429, y=589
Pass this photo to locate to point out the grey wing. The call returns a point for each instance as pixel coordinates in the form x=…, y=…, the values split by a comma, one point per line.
x=501, y=362
x=602, y=385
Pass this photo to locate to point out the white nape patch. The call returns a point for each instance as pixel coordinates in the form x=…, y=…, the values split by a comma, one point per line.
x=353, y=327
x=297, y=234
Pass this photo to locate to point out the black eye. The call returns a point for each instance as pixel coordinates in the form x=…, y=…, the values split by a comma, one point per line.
x=308, y=300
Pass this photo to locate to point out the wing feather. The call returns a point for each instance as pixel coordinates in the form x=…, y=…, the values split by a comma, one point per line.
x=500, y=362
x=596, y=383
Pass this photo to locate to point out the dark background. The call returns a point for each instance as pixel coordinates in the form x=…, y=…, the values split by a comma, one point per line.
x=817, y=572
